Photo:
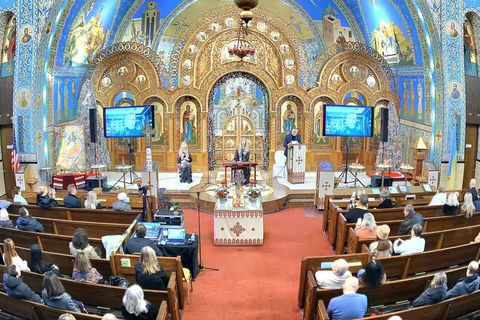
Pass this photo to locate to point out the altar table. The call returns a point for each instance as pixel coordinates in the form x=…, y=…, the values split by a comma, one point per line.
x=237, y=165
x=238, y=226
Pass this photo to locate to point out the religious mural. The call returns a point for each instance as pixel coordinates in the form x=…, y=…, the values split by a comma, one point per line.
x=389, y=32
x=412, y=100
x=8, y=47
x=69, y=142
x=89, y=30
x=469, y=49
x=188, y=122
x=160, y=111
x=66, y=91
x=318, y=138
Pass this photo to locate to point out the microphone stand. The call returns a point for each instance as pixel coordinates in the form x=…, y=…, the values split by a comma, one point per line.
x=200, y=265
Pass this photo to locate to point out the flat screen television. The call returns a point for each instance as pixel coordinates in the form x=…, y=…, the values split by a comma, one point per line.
x=347, y=121
x=127, y=122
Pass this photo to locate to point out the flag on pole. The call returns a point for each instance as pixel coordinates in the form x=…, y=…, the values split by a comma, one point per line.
x=14, y=154
x=452, y=162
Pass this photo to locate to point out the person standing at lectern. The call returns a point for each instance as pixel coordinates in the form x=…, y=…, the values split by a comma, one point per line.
x=242, y=154
x=293, y=136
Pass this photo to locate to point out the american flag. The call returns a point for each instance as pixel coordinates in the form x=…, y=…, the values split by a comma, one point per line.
x=14, y=154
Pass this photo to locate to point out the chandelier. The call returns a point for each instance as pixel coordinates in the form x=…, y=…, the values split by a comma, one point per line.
x=242, y=48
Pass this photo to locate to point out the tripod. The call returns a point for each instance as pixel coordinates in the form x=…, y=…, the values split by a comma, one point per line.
x=200, y=265
x=130, y=153
x=146, y=205
x=346, y=171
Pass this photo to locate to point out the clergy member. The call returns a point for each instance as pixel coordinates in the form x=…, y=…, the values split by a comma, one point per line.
x=294, y=136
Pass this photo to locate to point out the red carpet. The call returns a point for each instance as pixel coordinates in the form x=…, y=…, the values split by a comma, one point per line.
x=255, y=282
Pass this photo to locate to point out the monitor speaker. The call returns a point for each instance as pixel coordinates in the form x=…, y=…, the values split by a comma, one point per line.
x=376, y=181
x=93, y=124
x=384, y=124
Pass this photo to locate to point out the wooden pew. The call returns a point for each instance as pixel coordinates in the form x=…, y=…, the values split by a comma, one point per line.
x=124, y=265
x=357, y=261
x=430, y=224
x=107, y=296
x=447, y=309
x=100, y=215
x=106, y=198
x=64, y=262
x=433, y=240
x=387, y=294
x=32, y=310
x=68, y=227
x=162, y=312
x=48, y=242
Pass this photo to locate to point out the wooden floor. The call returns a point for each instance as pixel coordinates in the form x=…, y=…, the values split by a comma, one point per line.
x=277, y=197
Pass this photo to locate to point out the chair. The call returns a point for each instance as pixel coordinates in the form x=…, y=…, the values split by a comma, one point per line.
x=187, y=278
x=279, y=168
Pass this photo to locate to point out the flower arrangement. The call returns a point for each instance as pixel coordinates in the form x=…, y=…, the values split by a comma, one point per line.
x=221, y=192
x=253, y=193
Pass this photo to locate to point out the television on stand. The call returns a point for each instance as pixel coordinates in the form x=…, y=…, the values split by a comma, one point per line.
x=347, y=121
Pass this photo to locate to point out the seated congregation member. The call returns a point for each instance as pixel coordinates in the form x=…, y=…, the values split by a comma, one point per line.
x=148, y=272
x=382, y=247
x=468, y=208
x=80, y=244
x=71, y=200
x=440, y=198
x=91, y=202
x=350, y=305
x=66, y=316
x=356, y=213
x=5, y=221
x=435, y=293
x=373, y=275
x=16, y=288
x=135, y=307
x=10, y=256
x=333, y=279
x=54, y=295
x=136, y=244
x=413, y=245
x=386, y=201
x=27, y=223
x=452, y=206
x=46, y=197
x=17, y=196
x=473, y=189
x=468, y=284
x=411, y=218
x=367, y=229
x=37, y=264
x=184, y=163
x=83, y=270
x=121, y=204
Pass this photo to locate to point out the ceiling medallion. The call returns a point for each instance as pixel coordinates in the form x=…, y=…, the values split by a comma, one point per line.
x=242, y=48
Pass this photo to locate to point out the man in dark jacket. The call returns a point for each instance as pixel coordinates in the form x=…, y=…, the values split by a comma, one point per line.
x=468, y=284
x=135, y=245
x=71, y=200
x=26, y=223
x=435, y=293
x=386, y=201
x=473, y=189
x=16, y=288
x=411, y=218
x=357, y=212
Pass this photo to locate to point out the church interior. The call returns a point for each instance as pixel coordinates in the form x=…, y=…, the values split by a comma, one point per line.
x=243, y=136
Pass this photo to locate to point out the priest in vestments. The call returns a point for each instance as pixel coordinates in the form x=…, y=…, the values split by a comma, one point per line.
x=293, y=136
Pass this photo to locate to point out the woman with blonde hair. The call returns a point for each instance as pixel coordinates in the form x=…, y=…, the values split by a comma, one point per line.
x=452, y=206
x=10, y=256
x=91, y=202
x=5, y=221
x=184, y=163
x=468, y=208
x=367, y=227
x=83, y=270
x=148, y=273
x=135, y=307
x=435, y=293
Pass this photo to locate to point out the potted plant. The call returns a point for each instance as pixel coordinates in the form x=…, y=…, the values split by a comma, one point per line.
x=253, y=193
x=221, y=193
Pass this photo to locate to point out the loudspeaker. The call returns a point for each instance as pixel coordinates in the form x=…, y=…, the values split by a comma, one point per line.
x=377, y=181
x=93, y=124
x=384, y=124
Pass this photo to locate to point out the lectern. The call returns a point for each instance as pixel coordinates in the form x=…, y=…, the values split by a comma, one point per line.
x=296, y=163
